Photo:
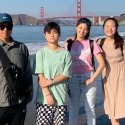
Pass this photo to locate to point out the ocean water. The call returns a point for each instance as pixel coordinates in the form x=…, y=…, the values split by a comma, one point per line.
x=33, y=35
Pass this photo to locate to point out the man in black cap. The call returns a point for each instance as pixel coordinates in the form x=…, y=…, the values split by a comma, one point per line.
x=13, y=111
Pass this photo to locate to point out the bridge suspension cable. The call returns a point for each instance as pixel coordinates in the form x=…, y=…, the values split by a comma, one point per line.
x=79, y=10
x=69, y=10
x=88, y=10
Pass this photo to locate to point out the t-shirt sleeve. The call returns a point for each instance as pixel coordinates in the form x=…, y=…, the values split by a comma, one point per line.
x=38, y=63
x=67, y=67
x=97, y=49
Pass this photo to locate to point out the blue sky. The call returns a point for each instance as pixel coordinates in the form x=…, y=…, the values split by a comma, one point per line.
x=60, y=7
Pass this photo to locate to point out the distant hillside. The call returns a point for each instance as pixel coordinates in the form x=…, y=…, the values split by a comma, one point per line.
x=122, y=19
x=23, y=19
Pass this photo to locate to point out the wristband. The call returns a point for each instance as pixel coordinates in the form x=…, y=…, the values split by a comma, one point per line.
x=53, y=81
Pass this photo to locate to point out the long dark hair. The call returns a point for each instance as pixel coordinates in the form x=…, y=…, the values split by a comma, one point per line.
x=81, y=20
x=118, y=39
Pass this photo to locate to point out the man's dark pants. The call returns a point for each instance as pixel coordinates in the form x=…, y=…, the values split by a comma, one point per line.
x=13, y=115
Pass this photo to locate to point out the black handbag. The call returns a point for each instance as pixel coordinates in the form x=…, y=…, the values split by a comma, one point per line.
x=14, y=76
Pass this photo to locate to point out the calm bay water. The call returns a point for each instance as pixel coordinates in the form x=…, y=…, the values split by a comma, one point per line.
x=28, y=34
x=33, y=36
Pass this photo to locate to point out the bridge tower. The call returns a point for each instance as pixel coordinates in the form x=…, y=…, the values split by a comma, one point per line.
x=78, y=10
x=42, y=15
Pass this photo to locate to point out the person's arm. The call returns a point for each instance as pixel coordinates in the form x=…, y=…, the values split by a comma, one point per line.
x=45, y=82
x=101, y=65
x=49, y=98
x=38, y=69
x=62, y=77
x=72, y=38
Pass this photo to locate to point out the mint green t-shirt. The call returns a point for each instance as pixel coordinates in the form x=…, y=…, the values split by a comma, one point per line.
x=51, y=64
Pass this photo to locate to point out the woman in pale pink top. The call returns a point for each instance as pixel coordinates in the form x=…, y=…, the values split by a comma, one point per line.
x=84, y=75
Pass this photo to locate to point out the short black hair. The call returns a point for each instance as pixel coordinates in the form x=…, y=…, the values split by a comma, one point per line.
x=52, y=25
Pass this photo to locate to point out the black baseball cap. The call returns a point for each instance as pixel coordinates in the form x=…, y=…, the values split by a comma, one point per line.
x=4, y=17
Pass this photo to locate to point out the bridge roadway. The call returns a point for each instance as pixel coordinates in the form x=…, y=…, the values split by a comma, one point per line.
x=74, y=17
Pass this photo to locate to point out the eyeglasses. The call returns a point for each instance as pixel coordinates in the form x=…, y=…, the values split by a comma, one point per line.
x=9, y=27
x=87, y=21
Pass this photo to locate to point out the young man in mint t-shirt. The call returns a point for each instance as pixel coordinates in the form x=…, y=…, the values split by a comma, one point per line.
x=52, y=64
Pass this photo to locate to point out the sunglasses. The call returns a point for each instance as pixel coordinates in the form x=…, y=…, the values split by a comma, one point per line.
x=88, y=22
x=9, y=27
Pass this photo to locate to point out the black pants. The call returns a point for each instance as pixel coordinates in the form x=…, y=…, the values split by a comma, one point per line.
x=13, y=115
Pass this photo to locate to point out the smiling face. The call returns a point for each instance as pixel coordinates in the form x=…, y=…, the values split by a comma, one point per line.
x=110, y=28
x=82, y=30
x=5, y=31
x=52, y=36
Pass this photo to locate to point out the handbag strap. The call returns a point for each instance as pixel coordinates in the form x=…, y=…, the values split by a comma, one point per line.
x=4, y=58
x=92, y=48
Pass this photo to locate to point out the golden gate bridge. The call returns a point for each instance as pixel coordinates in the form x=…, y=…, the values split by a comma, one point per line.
x=96, y=19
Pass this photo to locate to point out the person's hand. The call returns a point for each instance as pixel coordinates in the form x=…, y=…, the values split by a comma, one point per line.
x=70, y=38
x=44, y=82
x=88, y=81
x=50, y=100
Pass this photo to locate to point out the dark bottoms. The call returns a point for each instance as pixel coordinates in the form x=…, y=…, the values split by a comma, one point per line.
x=49, y=115
x=13, y=115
